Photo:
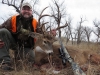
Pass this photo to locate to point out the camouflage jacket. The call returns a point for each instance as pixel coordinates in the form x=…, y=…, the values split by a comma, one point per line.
x=20, y=21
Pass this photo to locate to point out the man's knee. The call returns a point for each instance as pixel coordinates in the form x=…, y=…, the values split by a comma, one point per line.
x=4, y=31
x=31, y=56
x=32, y=53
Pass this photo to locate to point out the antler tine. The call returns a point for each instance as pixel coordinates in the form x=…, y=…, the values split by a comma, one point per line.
x=41, y=25
x=44, y=24
x=43, y=10
x=48, y=28
x=62, y=26
x=40, y=16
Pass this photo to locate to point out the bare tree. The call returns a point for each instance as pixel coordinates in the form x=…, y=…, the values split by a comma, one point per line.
x=88, y=32
x=79, y=31
x=74, y=37
x=13, y=4
x=97, y=32
x=68, y=31
x=17, y=4
x=67, y=35
x=58, y=13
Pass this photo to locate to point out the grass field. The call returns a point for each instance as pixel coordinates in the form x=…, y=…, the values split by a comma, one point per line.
x=27, y=70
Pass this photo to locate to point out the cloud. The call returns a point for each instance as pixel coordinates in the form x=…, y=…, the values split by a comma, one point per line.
x=88, y=9
x=5, y=12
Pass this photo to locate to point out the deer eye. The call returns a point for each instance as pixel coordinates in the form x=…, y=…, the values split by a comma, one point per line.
x=45, y=42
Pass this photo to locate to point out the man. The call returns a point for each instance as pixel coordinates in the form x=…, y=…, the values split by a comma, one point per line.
x=11, y=36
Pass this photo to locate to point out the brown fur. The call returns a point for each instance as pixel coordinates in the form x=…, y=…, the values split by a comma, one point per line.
x=77, y=55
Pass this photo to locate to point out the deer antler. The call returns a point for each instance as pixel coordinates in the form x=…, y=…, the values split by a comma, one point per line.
x=40, y=26
x=62, y=26
x=41, y=16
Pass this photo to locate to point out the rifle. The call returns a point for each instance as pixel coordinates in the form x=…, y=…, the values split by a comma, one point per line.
x=64, y=55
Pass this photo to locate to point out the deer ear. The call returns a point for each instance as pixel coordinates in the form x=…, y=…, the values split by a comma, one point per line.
x=35, y=35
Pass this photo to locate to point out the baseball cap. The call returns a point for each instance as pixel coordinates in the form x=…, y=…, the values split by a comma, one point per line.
x=26, y=4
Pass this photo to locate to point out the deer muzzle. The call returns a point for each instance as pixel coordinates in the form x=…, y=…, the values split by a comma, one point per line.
x=48, y=51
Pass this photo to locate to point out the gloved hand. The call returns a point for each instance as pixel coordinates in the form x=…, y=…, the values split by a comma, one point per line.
x=24, y=31
x=22, y=37
x=1, y=43
x=23, y=34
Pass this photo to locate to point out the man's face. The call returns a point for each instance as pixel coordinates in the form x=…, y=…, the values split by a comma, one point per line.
x=26, y=12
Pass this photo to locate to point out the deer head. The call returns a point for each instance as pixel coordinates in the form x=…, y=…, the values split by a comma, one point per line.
x=43, y=42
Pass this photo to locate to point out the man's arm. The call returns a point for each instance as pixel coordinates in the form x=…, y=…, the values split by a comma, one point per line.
x=6, y=24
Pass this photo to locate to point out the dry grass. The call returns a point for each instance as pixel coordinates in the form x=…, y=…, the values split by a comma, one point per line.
x=92, y=69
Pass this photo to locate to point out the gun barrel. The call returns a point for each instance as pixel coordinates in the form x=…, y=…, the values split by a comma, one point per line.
x=76, y=69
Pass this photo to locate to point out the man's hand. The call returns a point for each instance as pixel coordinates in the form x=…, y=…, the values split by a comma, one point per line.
x=25, y=31
x=1, y=43
x=23, y=34
x=22, y=37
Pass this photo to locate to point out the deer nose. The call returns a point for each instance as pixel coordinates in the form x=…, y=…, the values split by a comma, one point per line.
x=49, y=51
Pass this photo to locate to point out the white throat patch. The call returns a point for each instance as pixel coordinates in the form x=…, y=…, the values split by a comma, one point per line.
x=38, y=49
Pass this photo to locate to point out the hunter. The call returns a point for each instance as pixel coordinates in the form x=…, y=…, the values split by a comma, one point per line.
x=11, y=36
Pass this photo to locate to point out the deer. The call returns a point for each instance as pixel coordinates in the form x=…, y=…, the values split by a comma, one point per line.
x=44, y=40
